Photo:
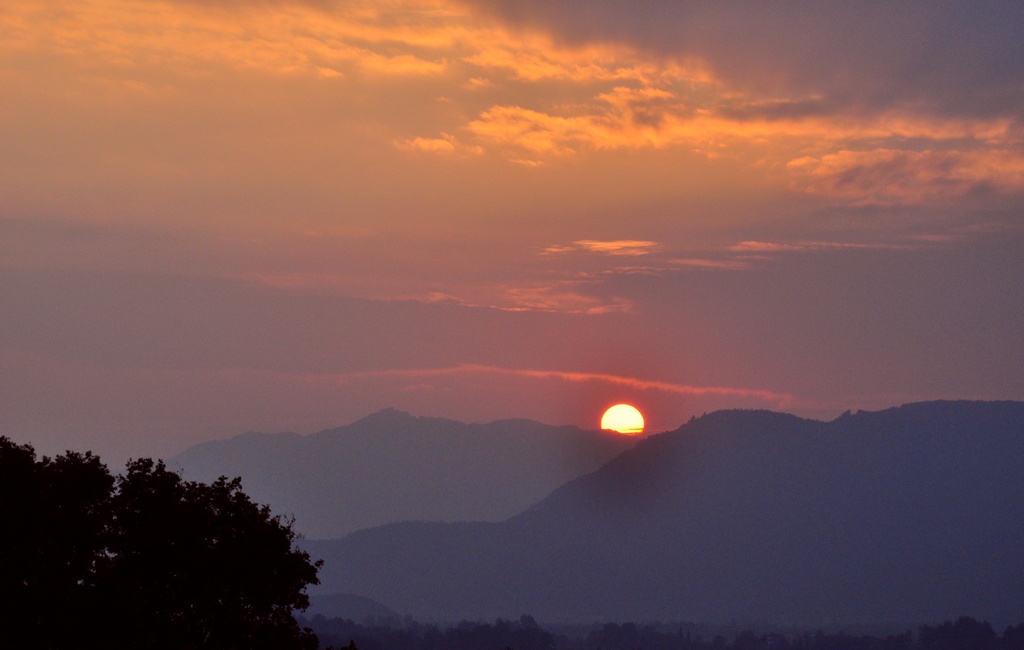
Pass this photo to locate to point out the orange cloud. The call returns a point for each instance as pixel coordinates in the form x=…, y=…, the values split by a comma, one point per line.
x=889, y=176
x=617, y=247
x=658, y=117
x=435, y=145
x=703, y=263
x=801, y=246
x=187, y=37
x=767, y=396
x=515, y=93
x=765, y=247
x=446, y=144
x=535, y=57
x=401, y=37
x=558, y=299
x=626, y=118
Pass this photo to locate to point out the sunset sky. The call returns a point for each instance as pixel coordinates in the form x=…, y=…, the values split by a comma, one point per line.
x=280, y=215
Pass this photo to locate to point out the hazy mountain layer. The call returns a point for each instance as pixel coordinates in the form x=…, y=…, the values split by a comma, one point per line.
x=392, y=466
x=909, y=514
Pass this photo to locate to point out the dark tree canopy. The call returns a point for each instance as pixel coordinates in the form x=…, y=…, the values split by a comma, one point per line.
x=146, y=560
x=55, y=515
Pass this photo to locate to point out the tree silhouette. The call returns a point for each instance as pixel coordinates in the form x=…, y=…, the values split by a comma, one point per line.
x=55, y=517
x=146, y=560
x=966, y=633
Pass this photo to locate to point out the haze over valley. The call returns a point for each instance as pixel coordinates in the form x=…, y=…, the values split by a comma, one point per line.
x=392, y=466
x=910, y=514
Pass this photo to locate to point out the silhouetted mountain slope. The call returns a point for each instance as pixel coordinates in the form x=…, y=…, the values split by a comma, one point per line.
x=392, y=466
x=913, y=514
x=353, y=608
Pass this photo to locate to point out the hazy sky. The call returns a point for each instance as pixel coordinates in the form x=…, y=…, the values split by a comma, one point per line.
x=285, y=215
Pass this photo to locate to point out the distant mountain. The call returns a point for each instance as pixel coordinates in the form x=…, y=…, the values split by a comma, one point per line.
x=392, y=466
x=353, y=608
x=910, y=514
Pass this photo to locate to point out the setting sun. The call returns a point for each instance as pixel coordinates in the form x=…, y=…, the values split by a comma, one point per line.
x=624, y=419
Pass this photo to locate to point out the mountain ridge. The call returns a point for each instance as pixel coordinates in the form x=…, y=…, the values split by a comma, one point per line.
x=910, y=513
x=391, y=466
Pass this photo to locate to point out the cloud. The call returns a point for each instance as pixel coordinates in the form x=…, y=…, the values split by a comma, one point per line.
x=434, y=145
x=720, y=264
x=771, y=397
x=535, y=57
x=446, y=144
x=552, y=298
x=526, y=92
x=618, y=246
x=767, y=133
x=946, y=57
x=622, y=118
x=555, y=298
x=395, y=38
x=629, y=247
x=746, y=251
x=745, y=255
x=889, y=177
x=765, y=247
x=777, y=109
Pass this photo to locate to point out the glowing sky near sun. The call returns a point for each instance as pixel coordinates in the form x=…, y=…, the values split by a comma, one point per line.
x=287, y=214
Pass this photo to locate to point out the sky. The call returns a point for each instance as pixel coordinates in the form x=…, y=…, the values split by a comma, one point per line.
x=284, y=215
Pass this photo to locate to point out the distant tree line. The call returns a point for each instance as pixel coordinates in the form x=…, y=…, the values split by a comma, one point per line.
x=141, y=560
x=525, y=634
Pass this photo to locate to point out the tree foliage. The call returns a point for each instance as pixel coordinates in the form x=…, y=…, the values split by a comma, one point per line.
x=145, y=559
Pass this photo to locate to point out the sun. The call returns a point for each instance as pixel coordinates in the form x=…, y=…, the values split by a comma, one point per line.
x=624, y=419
